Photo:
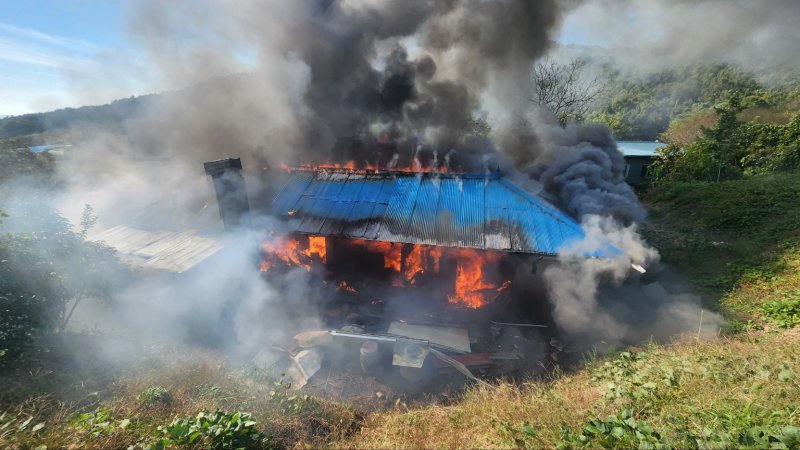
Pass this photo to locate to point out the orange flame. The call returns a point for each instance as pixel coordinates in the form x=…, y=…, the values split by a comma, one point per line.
x=317, y=246
x=391, y=252
x=471, y=282
x=365, y=167
x=415, y=264
x=343, y=286
x=291, y=252
x=420, y=260
x=472, y=287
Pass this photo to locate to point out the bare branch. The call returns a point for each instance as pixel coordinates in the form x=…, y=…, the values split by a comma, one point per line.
x=563, y=89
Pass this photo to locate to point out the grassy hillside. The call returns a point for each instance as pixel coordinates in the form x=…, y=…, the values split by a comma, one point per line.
x=741, y=391
x=737, y=241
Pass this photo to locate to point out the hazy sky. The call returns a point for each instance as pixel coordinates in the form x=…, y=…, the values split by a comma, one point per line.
x=47, y=45
x=55, y=53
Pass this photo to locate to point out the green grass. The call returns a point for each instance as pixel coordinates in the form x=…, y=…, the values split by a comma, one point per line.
x=737, y=241
x=738, y=391
x=155, y=404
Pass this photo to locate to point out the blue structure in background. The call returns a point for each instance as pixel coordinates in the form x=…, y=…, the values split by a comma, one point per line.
x=638, y=156
x=639, y=148
x=474, y=211
x=47, y=147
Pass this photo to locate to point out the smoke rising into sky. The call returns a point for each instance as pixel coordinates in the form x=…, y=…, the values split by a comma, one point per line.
x=651, y=35
x=329, y=81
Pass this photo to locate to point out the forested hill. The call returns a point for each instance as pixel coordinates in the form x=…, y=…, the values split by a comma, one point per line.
x=111, y=114
x=639, y=108
x=643, y=107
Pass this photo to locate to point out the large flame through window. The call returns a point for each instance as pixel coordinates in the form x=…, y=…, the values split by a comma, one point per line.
x=474, y=284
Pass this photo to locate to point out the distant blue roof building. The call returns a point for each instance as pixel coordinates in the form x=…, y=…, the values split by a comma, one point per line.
x=638, y=156
x=639, y=148
x=47, y=147
x=474, y=211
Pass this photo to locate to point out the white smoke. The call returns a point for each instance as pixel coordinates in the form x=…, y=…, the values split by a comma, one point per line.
x=601, y=300
x=657, y=34
x=276, y=81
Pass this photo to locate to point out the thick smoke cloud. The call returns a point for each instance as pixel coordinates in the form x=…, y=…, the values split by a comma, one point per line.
x=645, y=34
x=373, y=81
x=582, y=165
x=324, y=74
x=598, y=302
x=286, y=82
x=602, y=302
x=307, y=82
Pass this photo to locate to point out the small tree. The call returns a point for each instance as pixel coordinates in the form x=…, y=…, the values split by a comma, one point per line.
x=564, y=89
x=45, y=268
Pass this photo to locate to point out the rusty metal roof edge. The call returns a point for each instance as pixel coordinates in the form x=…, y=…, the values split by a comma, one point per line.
x=545, y=254
x=495, y=175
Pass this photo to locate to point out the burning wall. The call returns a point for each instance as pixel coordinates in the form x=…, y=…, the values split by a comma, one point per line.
x=329, y=81
x=475, y=282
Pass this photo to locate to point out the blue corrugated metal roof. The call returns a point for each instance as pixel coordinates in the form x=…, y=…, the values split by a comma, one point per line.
x=483, y=212
x=639, y=148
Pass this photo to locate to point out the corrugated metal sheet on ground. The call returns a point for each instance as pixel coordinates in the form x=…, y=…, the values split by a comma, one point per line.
x=174, y=251
x=483, y=212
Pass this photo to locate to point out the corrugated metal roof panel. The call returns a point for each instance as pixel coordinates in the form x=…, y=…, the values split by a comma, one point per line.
x=423, y=219
x=498, y=214
x=484, y=212
x=395, y=226
x=174, y=251
x=472, y=216
x=449, y=209
x=380, y=192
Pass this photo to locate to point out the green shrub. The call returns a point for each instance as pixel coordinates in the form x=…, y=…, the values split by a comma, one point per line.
x=45, y=266
x=744, y=428
x=155, y=395
x=100, y=421
x=621, y=430
x=218, y=430
x=207, y=390
x=784, y=313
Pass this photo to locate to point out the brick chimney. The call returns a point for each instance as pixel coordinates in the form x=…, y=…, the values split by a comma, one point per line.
x=234, y=207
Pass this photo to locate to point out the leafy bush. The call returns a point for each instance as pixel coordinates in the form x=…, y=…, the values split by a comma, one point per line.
x=621, y=430
x=154, y=396
x=207, y=390
x=731, y=148
x=45, y=266
x=522, y=435
x=289, y=402
x=17, y=160
x=218, y=430
x=736, y=429
x=784, y=313
x=100, y=421
x=12, y=424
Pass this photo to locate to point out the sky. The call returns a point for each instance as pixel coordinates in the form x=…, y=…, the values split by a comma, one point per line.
x=68, y=53
x=47, y=47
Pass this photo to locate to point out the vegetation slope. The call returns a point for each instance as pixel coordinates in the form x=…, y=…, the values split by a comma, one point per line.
x=737, y=240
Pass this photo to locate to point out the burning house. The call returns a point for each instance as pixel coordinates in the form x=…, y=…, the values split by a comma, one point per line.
x=417, y=221
x=424, y=261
